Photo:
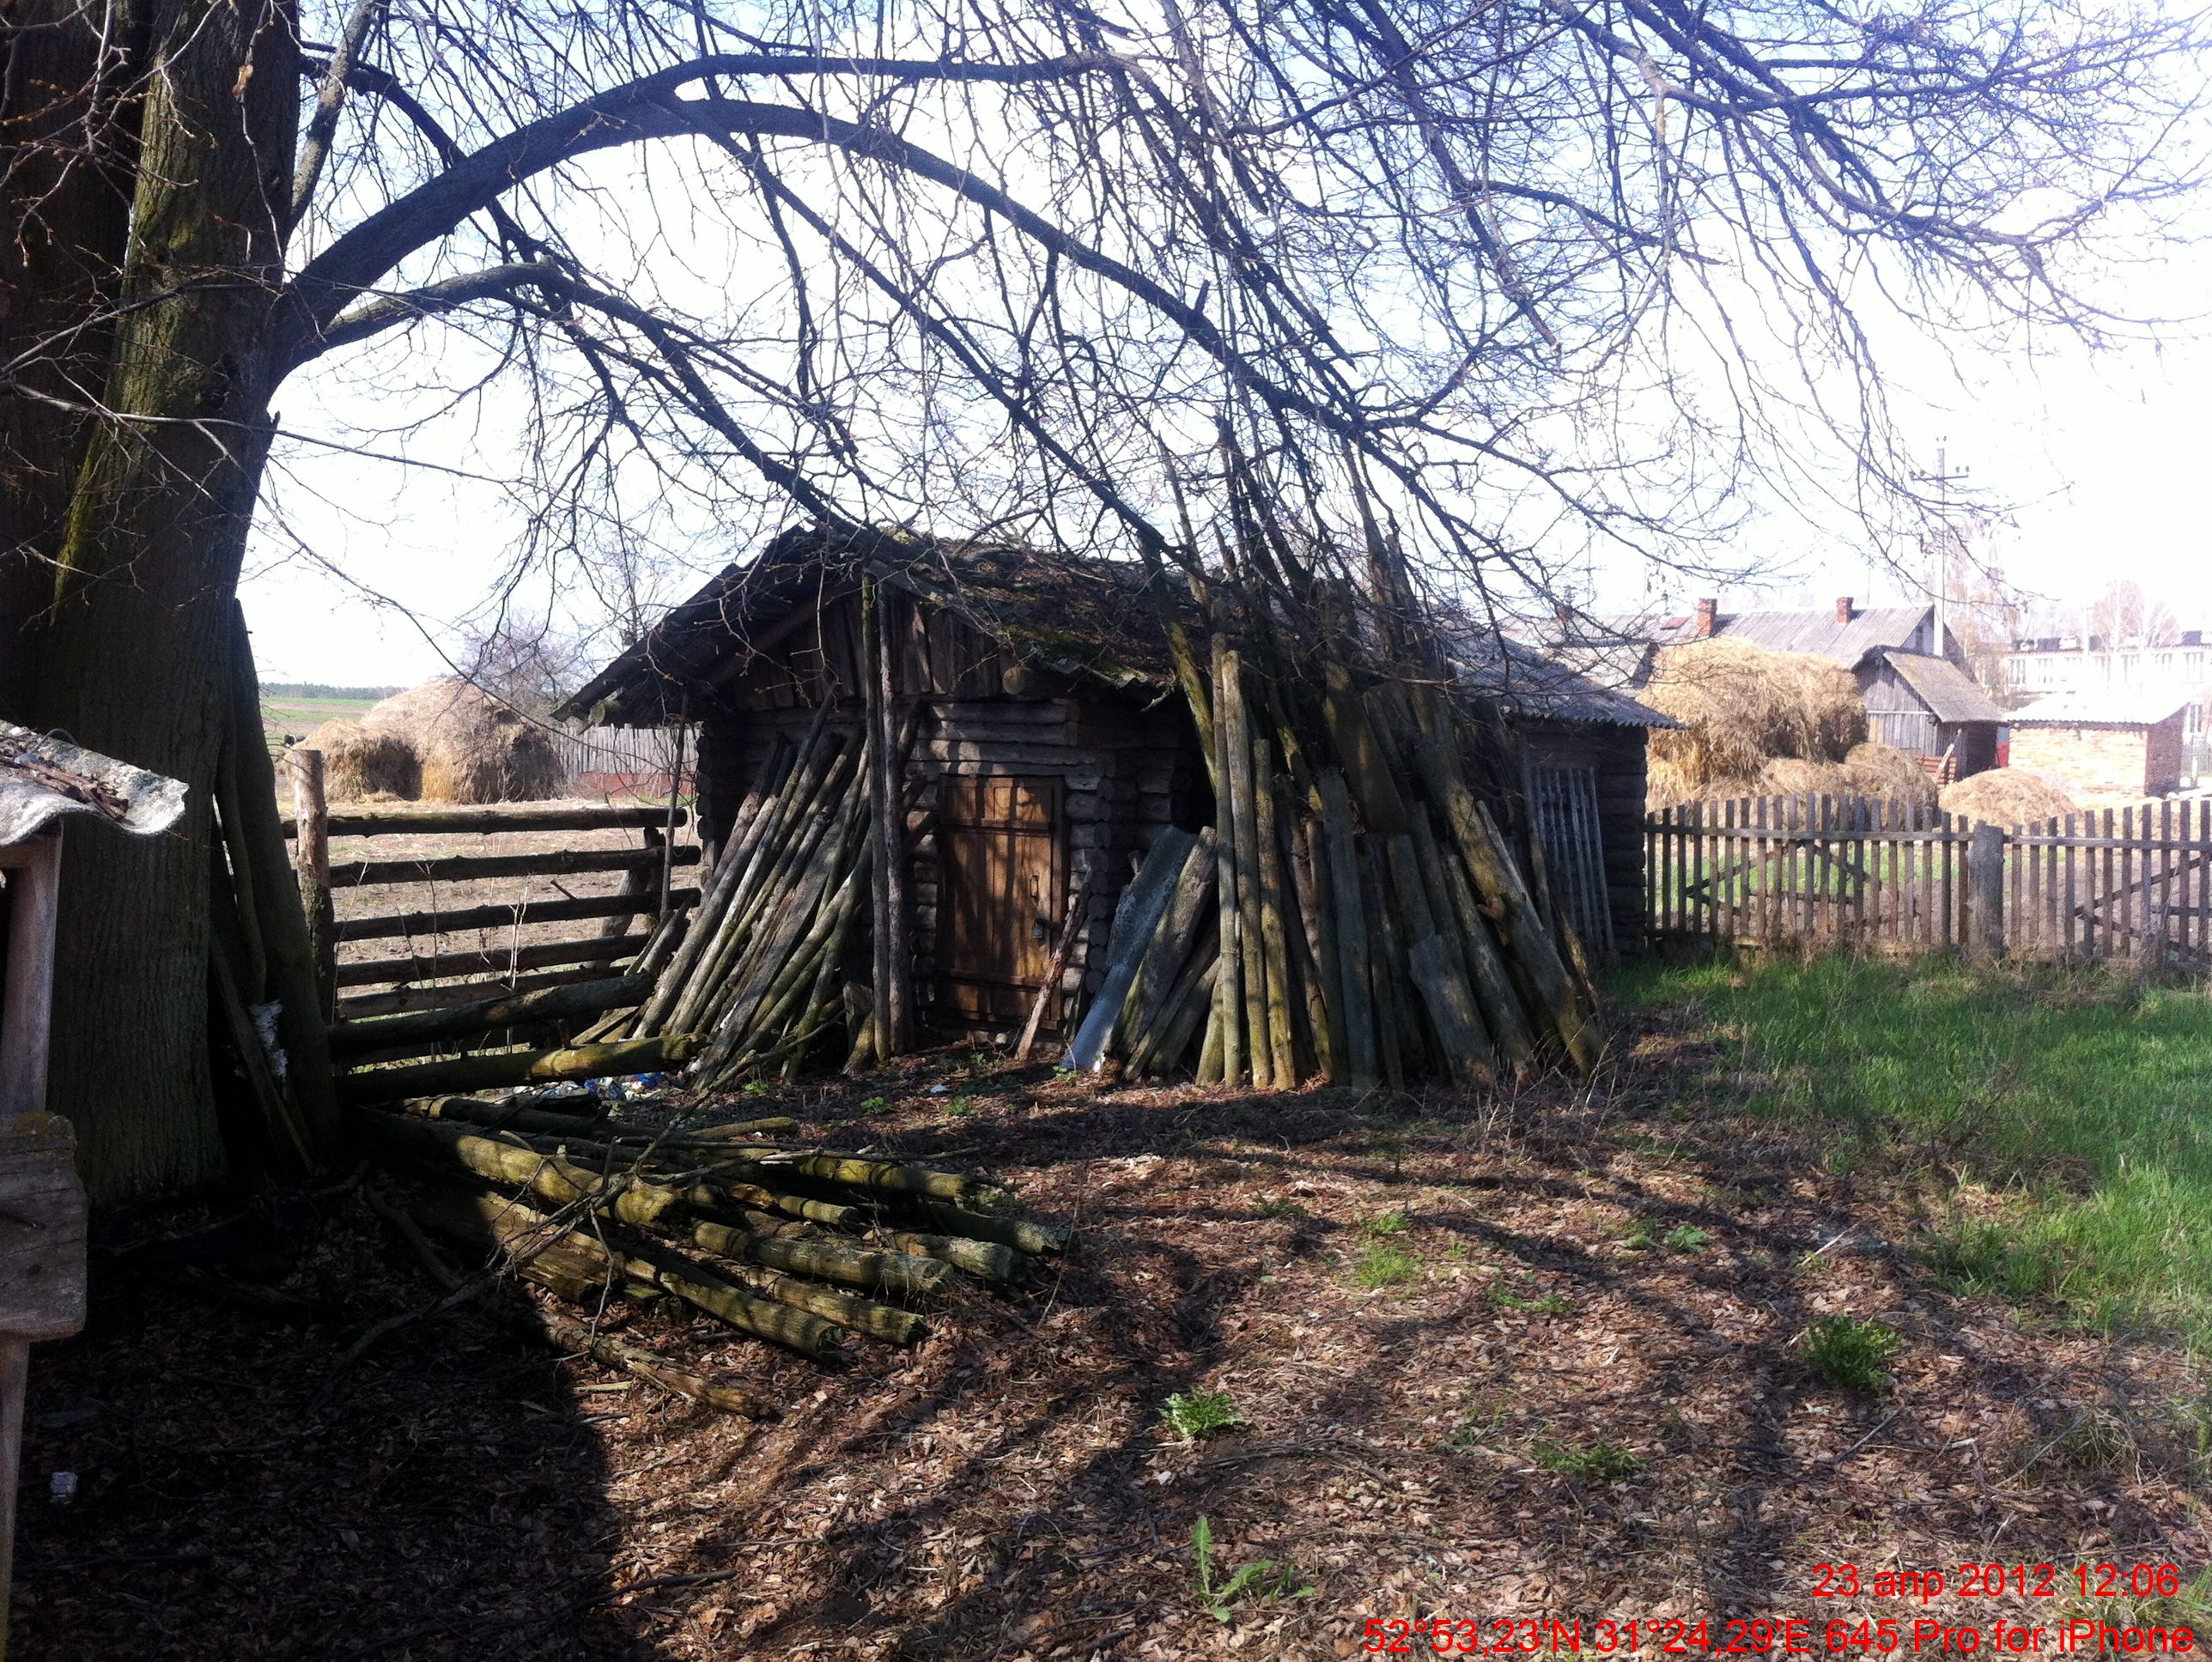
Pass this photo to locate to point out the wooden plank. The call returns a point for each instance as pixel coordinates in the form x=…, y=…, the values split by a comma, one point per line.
x=504, y=1009
x=27, y=1008
x=502, y=917
x=375, y=972
x=455, y=822
x=469, y=1073
x=446, y=994
x=312, y=861
x=478, y=868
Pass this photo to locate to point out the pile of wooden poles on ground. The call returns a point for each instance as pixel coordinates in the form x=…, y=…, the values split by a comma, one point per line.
x=789, y=1244
x=765, y=972
x=1359, y=911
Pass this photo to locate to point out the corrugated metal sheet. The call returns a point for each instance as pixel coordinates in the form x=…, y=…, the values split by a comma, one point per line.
x=2097, y=710
x=43, y=778
x=1945, y=689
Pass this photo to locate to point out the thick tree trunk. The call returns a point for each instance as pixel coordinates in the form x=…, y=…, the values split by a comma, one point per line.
x=138, y=651
x=67, y=149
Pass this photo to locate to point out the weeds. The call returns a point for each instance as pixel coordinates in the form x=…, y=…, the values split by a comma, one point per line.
x=961, y=1107
x=1281, y=1208
x=1850, y=1353
x=1385, y=1264
x=1201, y=1413
x=1382, y=1227
x=1687, y=1238
x=1267, y=1579
x=1638, y=1235
x=1599, y=1463
x=1551, y=1304
x=875, y=1102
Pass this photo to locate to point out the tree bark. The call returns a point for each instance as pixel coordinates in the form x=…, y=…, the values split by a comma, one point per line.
x=137, y=659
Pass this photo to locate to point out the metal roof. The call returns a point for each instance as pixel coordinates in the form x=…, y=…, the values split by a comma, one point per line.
x=2098, y=710
x=1871, y=629
x=42, y=780
x=1943, y=686
x=1537, y=686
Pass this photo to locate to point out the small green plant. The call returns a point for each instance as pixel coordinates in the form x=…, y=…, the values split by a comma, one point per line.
x=1267, y=1579
x=1385, y=1264
x=1687, y=1238
x=1638, y=1235
x=960, y=1107
x=1199, y=1413
x=874, y=1102
x=1281, y=1208
x=1851, y=1353
x=1599, y=1463
x=1473, y=1434
x=757, y=1088
x=1382, y=1227
x=1551, y=1304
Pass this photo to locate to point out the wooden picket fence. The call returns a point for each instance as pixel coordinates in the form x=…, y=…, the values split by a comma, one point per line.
x=2127, y=885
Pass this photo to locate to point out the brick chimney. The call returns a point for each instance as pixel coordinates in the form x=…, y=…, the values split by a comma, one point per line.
x=1843, y=609
x=1708, y=614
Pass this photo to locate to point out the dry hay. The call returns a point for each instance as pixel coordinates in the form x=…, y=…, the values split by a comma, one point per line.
x=2009, y=796
x=1742, y=707
x=470, y=747
x=1892, y=774
x=359, y=765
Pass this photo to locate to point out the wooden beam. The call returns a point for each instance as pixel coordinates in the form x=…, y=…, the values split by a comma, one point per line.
x=445, y=997
x=445, y=966
x=478, y=868
x=501, y=917
x=484, y=1015
x=456, y=821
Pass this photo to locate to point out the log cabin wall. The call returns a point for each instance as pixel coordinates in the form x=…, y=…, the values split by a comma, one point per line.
x=1615, y=754
x=1125, y=771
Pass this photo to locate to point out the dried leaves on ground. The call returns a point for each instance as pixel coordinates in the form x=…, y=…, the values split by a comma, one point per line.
x=1532, y=1355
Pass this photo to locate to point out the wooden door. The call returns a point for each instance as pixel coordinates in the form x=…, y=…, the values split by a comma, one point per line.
x=1000, y=896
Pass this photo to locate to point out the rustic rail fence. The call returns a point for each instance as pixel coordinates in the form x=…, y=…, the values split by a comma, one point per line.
x=428, y=974
x=2129, y=885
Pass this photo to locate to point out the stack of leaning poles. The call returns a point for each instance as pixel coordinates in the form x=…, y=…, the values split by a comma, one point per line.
x=1369, y=905
x=769, y=969
x=803, y=1247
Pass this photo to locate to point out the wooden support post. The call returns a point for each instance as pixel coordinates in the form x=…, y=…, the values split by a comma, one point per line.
x=1061, y=950
x=1985, y=863
x=886, y=809
x=312, y=861
x=42, y=1209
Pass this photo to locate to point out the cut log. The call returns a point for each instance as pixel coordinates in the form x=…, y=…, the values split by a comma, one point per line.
x=1352, y=937
x=987, y=1259
x=1038, y=1239
x=858, y=1315
x=825, y=1260
x=454, y=1151
x=641, y=1363
x=469, y=1073
x=487, y=1015
x=509, y=1116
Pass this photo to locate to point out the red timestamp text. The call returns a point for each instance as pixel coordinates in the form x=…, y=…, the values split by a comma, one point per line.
x=1761, y=1636
x=1998, y=1581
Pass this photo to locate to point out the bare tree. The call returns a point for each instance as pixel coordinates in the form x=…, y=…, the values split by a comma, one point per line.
x=1520, y=275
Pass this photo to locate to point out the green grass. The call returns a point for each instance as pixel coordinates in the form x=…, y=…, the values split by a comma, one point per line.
x=1266, y=1580
x=1850, y=1353
x=1598, y=1463
x=1551, y=1304
x=1201, y=1413
x=1385, y=1264
x=2070, y=1113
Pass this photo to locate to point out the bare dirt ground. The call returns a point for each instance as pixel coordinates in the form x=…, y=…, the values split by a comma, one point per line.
x=1426, y=1448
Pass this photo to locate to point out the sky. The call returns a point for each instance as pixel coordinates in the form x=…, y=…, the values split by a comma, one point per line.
x=362, y=570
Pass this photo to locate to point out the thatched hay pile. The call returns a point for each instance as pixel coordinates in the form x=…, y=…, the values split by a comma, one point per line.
x=1885, y=772
x=1742, y=707
x=359, y=765
x=466, y=746
x=2008, y=797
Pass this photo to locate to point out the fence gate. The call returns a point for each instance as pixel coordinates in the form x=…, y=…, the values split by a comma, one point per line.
x=1564, y=803
x=2128, y=884
x=1814, y=868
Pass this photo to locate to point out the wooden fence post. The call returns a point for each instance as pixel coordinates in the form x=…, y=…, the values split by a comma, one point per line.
x=312, y=814
x=1985, y=864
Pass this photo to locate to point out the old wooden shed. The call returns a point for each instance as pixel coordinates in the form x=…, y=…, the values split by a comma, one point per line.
x=1049, y=745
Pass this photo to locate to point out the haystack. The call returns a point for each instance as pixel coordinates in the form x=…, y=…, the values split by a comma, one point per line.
x=469, y=747
x=2008, y=797
x=1884, y=772
x=358, y=764
x=1742, y=707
